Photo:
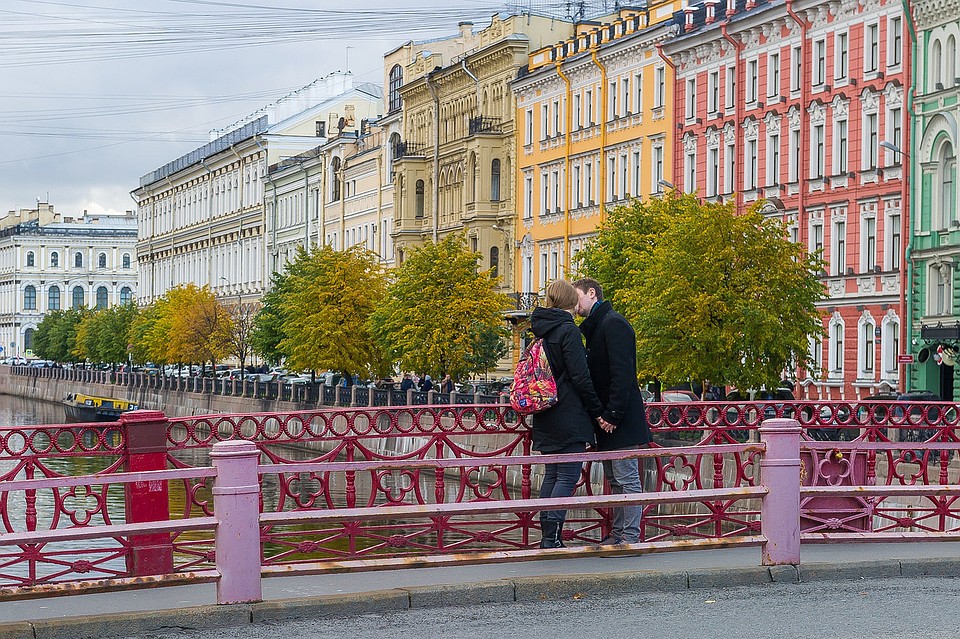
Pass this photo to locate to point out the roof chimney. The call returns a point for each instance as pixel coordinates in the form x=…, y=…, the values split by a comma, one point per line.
x=466, y=29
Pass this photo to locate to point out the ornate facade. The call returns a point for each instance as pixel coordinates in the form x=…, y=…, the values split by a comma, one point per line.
x=800, y=106
x=935, y=227
x=455, y=161
x=203, y=217
x=594, y=114
x=50, y=262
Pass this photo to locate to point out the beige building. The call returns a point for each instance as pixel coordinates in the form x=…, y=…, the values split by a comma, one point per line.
x=453, y=166
x=204, y=217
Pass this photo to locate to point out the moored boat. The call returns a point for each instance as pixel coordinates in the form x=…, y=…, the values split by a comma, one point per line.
x=93, y=408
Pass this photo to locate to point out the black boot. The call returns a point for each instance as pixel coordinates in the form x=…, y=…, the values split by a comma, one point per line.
x=550, y=534
x=560, y=536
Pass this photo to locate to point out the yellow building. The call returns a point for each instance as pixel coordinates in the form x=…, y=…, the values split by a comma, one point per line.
x=454, y=164
x=594, y=114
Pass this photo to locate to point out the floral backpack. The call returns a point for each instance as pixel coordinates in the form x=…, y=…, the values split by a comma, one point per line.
x=534, y=388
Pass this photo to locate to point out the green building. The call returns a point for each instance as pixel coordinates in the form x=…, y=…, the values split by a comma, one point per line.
x=933, y=252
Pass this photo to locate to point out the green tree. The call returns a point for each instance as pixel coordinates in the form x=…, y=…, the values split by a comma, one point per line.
x=56, y=335
x=441, y=315
x=326, y=302
x=267, y=333
x=712, y=295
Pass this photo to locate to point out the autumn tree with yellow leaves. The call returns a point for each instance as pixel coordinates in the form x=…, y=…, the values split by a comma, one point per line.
x=441, y=315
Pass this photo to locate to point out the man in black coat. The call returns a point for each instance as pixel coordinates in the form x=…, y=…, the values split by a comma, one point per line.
x=612, y=359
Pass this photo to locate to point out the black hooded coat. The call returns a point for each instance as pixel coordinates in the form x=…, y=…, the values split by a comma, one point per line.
x=571, y=420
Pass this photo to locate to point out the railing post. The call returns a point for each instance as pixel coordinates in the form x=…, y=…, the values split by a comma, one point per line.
x=780, y=507
x=145, y=440
x=236, y=505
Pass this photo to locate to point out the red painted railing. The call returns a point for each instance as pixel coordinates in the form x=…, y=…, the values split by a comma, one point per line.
x=353, y=488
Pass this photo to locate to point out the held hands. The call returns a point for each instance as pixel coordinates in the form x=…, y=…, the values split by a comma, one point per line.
x=605, y=425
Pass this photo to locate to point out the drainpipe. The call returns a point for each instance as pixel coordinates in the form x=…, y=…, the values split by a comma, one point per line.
x=906, y=201
x=804, y=102
x=476, y=80
x=675, y=132
x=601, y=178
x=436, y=156
x=738, y=113
x=567, y=186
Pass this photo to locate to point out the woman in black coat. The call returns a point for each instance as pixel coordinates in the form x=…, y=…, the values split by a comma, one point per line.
x=568, y=425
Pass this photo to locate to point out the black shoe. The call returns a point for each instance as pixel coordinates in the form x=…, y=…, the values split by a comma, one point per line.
x=550, y=531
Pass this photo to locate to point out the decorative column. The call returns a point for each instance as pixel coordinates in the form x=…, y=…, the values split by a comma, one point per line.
x=236, y=505
x=780, y=508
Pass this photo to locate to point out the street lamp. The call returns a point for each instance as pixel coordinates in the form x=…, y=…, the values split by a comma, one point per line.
x=665, y=184
x=890, y=146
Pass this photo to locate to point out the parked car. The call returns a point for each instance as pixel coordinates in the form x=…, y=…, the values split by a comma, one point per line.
x=262, y=377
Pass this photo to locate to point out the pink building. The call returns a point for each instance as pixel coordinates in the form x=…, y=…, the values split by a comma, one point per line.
x=801, y=104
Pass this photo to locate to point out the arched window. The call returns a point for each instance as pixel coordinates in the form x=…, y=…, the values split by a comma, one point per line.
x=867, y=348
x=495, y=181
x=78, y=297
x=947, y=195
x=890, y=345
x=394, y=154
x=418, y=203
x=102, y=260
x=28, y=339
x=54, y=259
x=335, y=179
x=102, y=297
x=396, y=81
x=78, y=259
x=936, y=60
x=950, y=61
x=30, y=298
x=835, y=348
x=53, y=298
x=31, y=259
x=126, y=295
x=940, y=289
x=495, y=261
x=126, y=260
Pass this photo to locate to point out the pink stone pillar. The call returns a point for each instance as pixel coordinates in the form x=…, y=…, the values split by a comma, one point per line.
x=780, y=508
x=145, y=442
x=236, y=505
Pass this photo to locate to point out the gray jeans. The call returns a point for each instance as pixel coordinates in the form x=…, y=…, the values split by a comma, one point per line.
x=624, y=477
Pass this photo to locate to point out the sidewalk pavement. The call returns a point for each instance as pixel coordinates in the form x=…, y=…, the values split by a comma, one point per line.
x=139, y=611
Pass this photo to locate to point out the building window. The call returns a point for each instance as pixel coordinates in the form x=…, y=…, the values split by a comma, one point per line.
x=773, y=74
x=730, y=88
x=895, y=134
x=840, y=147
x=940, y=289
x=78, y=297
x=796, y=68
x=895, y=38
x=773, y=160
x=78, y=259
x=528, y=127
x=55, y=259
x=836, y=348
x=495, y=181
x=126, y=260
x=947, y=195
x=657, y=166
x=577, y=112
x=729, y=168
x=396, y=81
x=890, y=345
x=28, y=339
x=752, y=81
x=30, y=258
x=816, y=158
x=841, y=56
x=418, y=202
x=839, y=248
x=528, y=197
x=750, y=165
x=871, y=47
x=101, y=297
x=30, y=298
x=892, y=227
x=819, y=62
x=660, y=87
x=690, y=172
x=126, y=295
x=871, y=141
x=335, y=179
x=494, y=261
x=102, y=260
x=793, y=162
x=868, y=240
x=691, y=98
x=868, y=348
x=816, y=238
x=713, y=170
x=815, y=359
x=53, y=298
x=713, y=92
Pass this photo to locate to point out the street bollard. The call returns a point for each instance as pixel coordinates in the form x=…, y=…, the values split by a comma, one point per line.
x=236, y=505
x=780, y=507
x=145, y=442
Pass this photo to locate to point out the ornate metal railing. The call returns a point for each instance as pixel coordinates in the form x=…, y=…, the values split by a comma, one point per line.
x=319, y=468
x=409, y=150
x=480, y=124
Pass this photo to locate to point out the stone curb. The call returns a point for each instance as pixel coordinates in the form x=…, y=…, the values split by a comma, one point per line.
x=521, y=589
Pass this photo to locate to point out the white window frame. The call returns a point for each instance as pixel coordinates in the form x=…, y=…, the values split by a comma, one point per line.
x=690, y=98
x=749, y=164
x=841, y=146
x=729, y=168
x=713, y=93
x=752, y=81
x=773, y=159
x=841, y=55
x=773, y=74
x=819, y=62
x=894, y=41
x=871, y=47
x=836, y=338
x=889, y=346
x=713, y=169
x=866, y=348
x=868, y=243
x=838, y=247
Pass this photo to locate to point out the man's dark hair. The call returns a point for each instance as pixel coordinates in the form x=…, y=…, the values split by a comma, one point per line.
x=586, y=283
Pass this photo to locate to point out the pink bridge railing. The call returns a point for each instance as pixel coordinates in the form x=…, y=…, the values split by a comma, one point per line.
x=362, y=488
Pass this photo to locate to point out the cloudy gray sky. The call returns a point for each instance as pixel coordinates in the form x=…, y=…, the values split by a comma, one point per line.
x=96, y=93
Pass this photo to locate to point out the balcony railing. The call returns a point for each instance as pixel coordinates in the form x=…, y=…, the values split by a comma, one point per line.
x=481, y=124
x=409, y=150
x=525, y=301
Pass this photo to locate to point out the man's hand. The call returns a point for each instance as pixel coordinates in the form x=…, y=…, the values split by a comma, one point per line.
x=605, y=425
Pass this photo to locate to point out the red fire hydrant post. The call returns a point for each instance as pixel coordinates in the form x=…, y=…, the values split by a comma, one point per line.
x=145, y=439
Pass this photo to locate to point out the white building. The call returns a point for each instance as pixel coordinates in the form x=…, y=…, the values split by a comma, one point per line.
x=51, y=262
x=202, y=218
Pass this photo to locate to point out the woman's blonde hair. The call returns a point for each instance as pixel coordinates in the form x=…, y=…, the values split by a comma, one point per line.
x=561, y=294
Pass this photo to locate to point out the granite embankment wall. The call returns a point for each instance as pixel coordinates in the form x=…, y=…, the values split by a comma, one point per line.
x=172, y=402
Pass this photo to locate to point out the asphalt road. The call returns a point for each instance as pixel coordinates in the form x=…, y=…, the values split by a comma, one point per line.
x=877, y=608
